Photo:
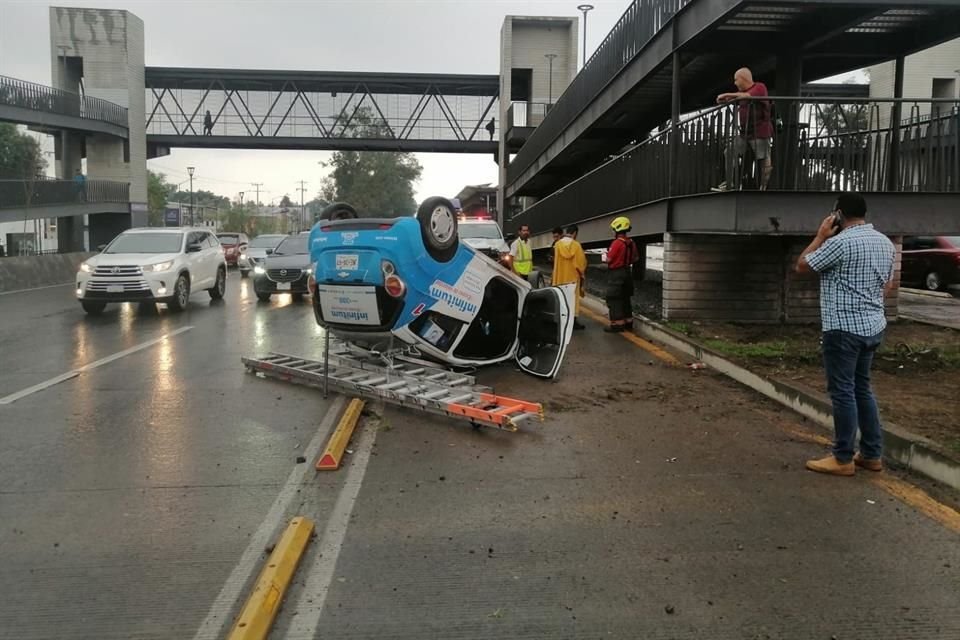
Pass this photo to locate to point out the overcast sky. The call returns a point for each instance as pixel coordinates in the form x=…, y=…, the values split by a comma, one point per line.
x=428, y=36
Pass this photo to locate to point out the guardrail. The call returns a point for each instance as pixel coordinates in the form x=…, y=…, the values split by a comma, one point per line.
x=38, y=97
x=44, y=192
x=642, y=20
x=527, y=114
x=816, y=144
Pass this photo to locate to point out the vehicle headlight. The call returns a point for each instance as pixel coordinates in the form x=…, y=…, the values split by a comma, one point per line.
x=243, y=256
x=161, y=266
x=259, y=270
x=86, y=267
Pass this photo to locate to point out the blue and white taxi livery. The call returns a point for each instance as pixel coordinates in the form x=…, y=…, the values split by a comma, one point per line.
x=411, y=279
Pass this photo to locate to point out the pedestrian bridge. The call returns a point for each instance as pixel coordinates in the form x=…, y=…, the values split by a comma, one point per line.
x=45, y=108
x=40, y=199
x=255, y=109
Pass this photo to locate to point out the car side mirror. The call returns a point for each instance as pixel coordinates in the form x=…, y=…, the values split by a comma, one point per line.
x=196, y=247
x=269, y=252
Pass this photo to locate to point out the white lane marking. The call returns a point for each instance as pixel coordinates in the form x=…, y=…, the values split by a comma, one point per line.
x=13, y=397
x=306, y=620
x=49, y=286
x=212, y=626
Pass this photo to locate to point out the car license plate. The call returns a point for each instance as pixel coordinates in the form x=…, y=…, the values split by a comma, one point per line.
x=347, y=261
x=115, y=288
x=349, y=305
x=283, y=286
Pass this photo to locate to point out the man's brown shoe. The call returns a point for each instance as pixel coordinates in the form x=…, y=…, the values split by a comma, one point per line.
x=831, y=466
x=870, y=464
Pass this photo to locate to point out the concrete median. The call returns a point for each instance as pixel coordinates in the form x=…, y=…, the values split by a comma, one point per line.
x=31, y=272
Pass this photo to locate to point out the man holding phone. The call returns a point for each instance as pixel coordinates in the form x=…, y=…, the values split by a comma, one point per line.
x=856, y=267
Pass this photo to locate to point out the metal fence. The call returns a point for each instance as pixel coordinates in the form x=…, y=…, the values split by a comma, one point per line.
x=642, y=20
x=813, y=144
x=38, y=97
x=44, y=192
x=527, y=114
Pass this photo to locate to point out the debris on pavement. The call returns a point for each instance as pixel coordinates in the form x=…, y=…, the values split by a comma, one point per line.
x=696, y=366
x=301, y=459
x=669, y=609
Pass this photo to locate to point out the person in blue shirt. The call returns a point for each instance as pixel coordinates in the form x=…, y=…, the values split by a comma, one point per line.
x=856, y=266
x=80, y=182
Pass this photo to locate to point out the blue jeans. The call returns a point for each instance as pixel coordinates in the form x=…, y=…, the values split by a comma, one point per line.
x=847, y=358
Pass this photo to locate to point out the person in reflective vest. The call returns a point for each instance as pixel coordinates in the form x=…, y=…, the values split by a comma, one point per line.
x=521, y=253
x=621, y=256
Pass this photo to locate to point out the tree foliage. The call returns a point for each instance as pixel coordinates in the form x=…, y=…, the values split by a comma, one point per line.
x=376, y=183
x=158, y=192
x=201, y=197
x=20, y=155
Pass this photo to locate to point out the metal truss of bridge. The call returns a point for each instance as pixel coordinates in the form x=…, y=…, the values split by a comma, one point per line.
x=320, y=110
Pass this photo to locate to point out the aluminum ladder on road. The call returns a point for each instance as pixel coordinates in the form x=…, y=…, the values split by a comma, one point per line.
x=410, y=384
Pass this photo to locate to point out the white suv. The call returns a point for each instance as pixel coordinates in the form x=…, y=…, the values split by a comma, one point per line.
x=153, y=265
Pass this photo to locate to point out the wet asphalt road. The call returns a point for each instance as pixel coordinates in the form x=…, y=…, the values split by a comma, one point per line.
x=655, y=502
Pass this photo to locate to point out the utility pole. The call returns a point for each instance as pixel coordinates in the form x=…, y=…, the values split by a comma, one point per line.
x=303, y=212
x=257, y=185
x=550, y=57
x=190, y=171
x=585, y=9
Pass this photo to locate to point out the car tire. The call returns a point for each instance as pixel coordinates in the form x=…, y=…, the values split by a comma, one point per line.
x=438, y=226
x=181, y=294
x=244, y=273
x=220, y=287
x=339, y=211
x=933, y=282
x=263, y=297
x=93, y=307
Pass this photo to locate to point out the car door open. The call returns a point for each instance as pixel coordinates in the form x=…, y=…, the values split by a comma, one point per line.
x=545, y=329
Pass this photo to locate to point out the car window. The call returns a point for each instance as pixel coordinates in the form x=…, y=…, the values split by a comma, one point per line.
x=925, y=242
x=211, y=241
x=480, y=231
x=292, y=245
x=953, y=241
x=228, y=238
x=265, y=242
x=146, y=243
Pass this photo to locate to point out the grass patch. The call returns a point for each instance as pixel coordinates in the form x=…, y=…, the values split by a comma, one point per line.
x=679, y=327
x=748, y=350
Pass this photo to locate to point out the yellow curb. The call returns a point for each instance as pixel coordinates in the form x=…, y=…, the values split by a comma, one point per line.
x=261, y=608
x=919, y=500
x=333, y=454
x=649, y=347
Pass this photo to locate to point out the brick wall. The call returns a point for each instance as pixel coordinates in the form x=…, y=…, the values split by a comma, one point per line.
x=741, y=278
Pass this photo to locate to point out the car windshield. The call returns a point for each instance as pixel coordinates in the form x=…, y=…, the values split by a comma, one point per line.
x=480, y=231
x=146, y=243
x=225, y=239
x=265, y=242
x=292, y=246
x=953, y=241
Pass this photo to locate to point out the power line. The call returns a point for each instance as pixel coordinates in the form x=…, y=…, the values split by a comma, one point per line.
x=303, y=214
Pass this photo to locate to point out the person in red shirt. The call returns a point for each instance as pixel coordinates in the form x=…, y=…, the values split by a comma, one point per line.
x=621, y=256
x=755, y=128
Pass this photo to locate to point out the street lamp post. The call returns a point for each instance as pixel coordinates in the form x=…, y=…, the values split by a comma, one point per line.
x=550, y=57
x=190, y=173
x=585, y=9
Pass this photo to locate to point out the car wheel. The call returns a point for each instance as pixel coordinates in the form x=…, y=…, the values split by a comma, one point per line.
x=244, y=273
x=438, y=226
x=181, y=294
x=263, y=297
x=216, y=293
x=339, y=211
x=933, y=282
x=93, y=307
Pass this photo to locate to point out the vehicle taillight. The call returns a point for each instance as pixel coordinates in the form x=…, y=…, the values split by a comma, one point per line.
x=311, y=283
x=956, y=258
x=394, y=286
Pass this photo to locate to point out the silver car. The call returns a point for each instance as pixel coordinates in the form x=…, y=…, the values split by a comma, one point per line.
x=257, y=251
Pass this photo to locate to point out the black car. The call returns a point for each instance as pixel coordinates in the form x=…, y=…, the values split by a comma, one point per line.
x=286, y=270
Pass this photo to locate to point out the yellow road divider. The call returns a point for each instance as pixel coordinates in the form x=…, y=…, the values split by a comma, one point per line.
x=919, y=500
x=333, y=454
x=261, y=608
x=647, y=346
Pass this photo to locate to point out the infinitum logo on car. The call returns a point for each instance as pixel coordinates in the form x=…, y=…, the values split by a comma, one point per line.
x=349, y=237
x=456, y=298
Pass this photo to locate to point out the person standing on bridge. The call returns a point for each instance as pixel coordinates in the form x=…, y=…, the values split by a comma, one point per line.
x=755, y=129
x=621, y=256
x=570, y=266
x=208, y=124
x=491, y=127
x=856, y=267
x=80, y=184
x=521, y=253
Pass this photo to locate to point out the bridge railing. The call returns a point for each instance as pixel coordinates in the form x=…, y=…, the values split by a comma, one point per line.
x=38, y=97
x=642, y=20
x=815, y=144
x=527, y=114
x=15, y=194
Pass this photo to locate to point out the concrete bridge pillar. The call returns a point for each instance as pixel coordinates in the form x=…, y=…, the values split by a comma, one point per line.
x=740, y=278
x=104, y=49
